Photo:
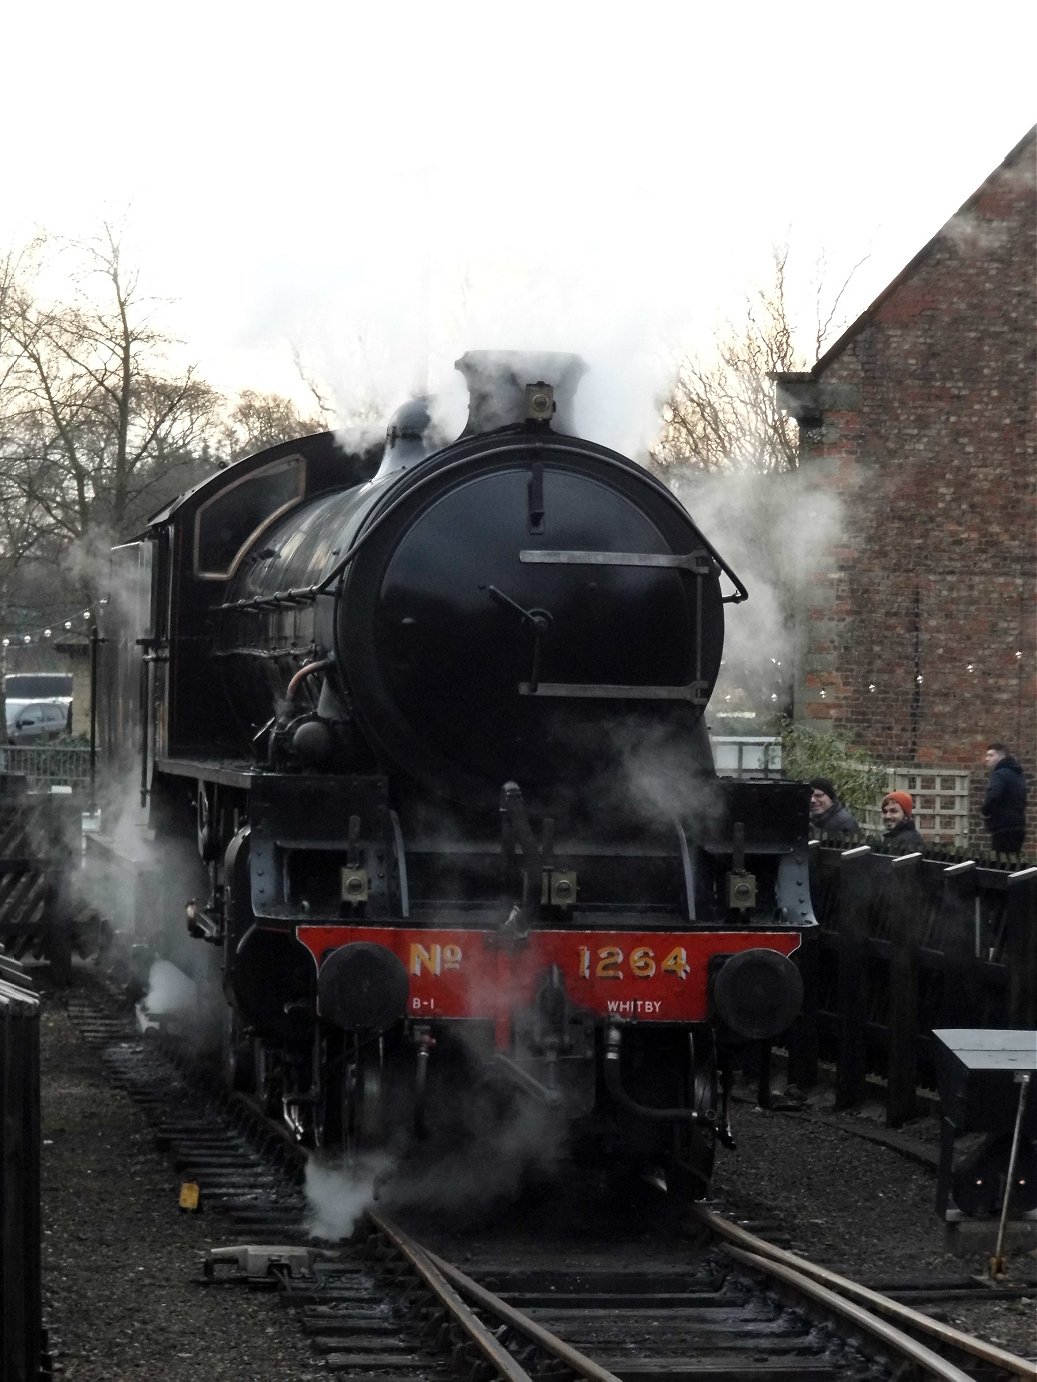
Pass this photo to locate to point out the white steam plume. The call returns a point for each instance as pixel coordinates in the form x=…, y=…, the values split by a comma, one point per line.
x=337, y=1195
x=773, y=532
x=487, y=1165
x=602, y=276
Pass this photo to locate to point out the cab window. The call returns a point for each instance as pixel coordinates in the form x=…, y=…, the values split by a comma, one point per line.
x=227, y=523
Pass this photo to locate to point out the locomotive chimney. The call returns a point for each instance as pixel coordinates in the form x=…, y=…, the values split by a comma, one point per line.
x=405, y=437
x=503, y=392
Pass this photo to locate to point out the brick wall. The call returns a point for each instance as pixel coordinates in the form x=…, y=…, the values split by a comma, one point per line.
x=919, y=632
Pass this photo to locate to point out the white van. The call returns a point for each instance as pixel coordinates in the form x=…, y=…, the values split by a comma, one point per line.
x=38, y=686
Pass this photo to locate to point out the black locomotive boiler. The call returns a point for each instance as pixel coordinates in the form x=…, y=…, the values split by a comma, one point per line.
x=431, y=724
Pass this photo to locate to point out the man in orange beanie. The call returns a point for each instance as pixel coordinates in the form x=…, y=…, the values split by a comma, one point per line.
x=901, y=836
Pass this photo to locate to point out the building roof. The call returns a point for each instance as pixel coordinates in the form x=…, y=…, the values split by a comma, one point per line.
x=796, y=398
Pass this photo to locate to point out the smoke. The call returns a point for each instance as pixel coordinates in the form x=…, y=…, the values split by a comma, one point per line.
x=977, y=232
x=771, y=530
x=388, y=320
x=465, y=1170
x=87, y=560
x=337, y=1195
x=170, y=991
x=171, y=995
x=469, y=1162
x=975, y=235
x=661, y=780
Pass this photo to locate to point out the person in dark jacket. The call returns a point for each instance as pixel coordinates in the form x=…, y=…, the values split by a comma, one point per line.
x=828, y=816
x=901, y=834
x=1004, y=806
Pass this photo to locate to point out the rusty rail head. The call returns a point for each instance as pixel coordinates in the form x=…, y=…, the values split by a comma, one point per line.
x=577, y=1362
x=429, y=1269
x=449, y=1285
x=744, y=1245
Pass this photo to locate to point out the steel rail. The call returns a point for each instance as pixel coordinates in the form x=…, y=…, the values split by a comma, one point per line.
x=430, y=1270
x=1010, y=1363
x=902, y=1344
x=578, y=1362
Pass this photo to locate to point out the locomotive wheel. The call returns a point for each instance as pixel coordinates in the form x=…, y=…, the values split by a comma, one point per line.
x=689, y=1168
x=672, y=1068
x=363, y=1110
x=239, y=1064
x=352, y=1115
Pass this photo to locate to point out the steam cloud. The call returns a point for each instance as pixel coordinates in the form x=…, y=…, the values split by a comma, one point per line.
x=770, y=530
x=488, y=1165
x=457, y=1170
x=338, y=1195
x=388, y=321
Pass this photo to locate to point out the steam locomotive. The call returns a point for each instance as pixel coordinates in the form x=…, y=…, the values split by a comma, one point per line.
x=429, y=724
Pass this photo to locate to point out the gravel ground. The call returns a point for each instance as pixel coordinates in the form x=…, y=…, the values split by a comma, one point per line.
x=119, y=1257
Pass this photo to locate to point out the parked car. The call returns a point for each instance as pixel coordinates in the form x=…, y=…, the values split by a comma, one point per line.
x=34, y=722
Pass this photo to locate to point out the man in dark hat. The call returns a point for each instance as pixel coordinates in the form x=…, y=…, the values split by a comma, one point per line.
x=1004, y=806
x=828, y=816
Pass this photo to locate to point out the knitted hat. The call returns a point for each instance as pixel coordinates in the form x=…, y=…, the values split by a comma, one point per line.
x=826, y=785
x=904, y=800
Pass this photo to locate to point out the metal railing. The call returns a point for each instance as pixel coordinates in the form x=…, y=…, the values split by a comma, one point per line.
x=48, y=765
x=747, y=757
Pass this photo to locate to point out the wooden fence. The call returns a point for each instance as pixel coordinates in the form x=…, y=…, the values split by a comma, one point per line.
x=39, y=833
x=23, y=1343
x=907, y=945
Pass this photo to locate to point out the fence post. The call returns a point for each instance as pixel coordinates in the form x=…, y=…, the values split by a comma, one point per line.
x=960, y=1000
x=855, y=876
x=801, y=1039
x=1020, y=949
x=905, y=933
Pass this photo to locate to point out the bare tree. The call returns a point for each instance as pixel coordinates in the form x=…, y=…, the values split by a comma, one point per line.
x=732, y=455
x=18, y=522
x=258, y=420
x=100, y=429
x=722, y=415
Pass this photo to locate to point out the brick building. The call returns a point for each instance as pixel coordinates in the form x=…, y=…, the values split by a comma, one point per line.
x=919, y=635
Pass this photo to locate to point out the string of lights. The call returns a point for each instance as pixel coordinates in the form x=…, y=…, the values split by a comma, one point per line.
x=42, y=636
x=919, y=679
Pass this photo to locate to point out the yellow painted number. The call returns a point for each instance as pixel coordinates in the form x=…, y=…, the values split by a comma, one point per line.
x=676, y=962
x=642, y=962
x=610, y=957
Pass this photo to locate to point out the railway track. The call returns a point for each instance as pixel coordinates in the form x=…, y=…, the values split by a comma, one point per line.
x=384, y=1306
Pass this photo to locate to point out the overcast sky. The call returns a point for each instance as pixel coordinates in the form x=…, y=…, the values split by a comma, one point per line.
x=384, y=186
